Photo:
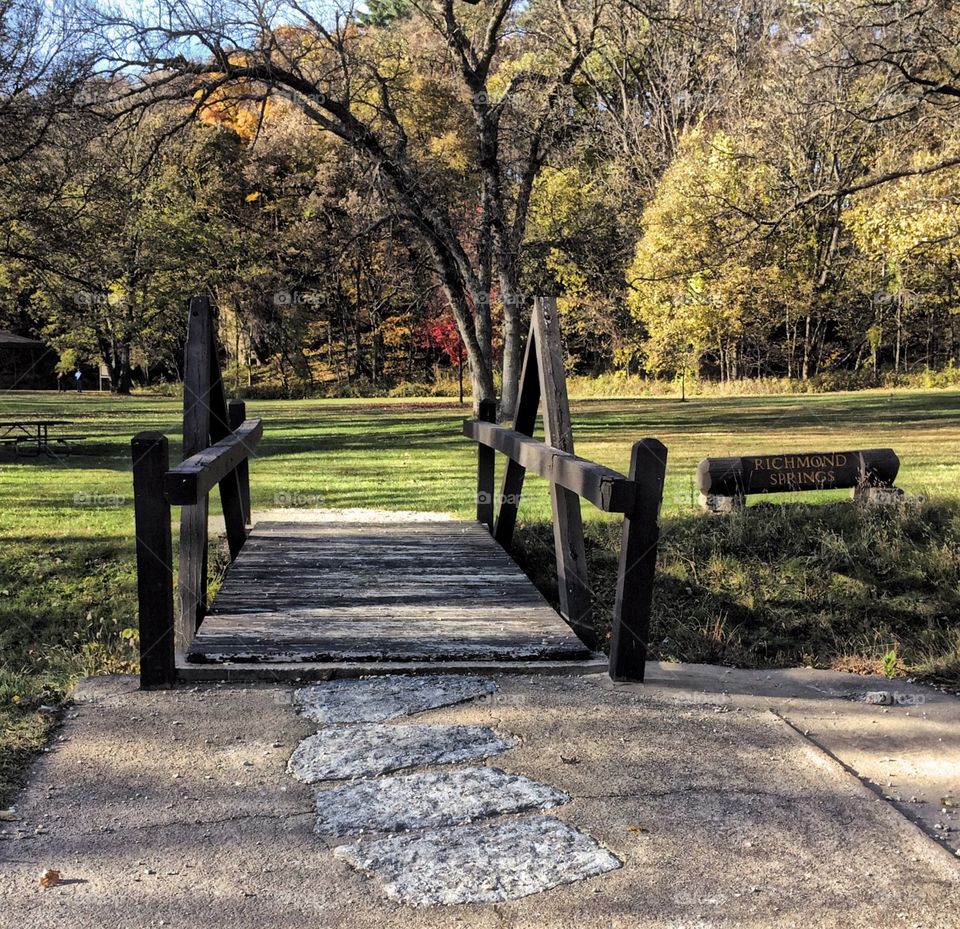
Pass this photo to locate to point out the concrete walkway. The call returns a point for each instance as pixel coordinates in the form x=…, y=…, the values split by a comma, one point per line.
x=902, y=740
x=176, y=809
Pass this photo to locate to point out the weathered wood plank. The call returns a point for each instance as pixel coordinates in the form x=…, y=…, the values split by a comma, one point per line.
x=196, y=476
x=638, y=563
x=602, y=486
x=329, y=636
x=486, y=468
x=231, y=502
x=572, y=578
x=528, y=402
x=301, y=672
x=341, y=592
x=237, y=411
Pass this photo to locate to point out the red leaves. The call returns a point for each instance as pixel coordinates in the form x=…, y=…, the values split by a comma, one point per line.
x=441, y=333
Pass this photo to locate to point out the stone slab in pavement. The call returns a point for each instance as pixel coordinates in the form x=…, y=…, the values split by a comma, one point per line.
x=427, y=800
x=366, y=750
x=175, y=809
x=377, y=699
x=481, y=864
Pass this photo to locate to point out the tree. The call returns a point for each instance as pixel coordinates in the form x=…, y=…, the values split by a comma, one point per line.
x=700, y=288
x=441, y=334
x=505, y=115
x=46, y=61
x=152, y=227
x=910, y=231
x=752, y=189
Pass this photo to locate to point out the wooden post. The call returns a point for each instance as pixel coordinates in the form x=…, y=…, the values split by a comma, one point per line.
x=196, y=437
x=574, y=590
x=638, y=563
x=231, y=499
x=486, y=464
x=151, y=460
x=238, y=413
x=528, y=401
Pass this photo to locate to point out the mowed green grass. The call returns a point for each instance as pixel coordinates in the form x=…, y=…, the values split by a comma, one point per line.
x=403, y=454
x=67, y=584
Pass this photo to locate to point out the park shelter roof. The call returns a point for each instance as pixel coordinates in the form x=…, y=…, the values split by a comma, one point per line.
x=9, y=340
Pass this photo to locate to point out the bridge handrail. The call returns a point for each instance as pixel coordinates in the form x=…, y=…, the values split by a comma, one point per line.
x=605, y=488
x=195, y=477
x=637, y=496
x=218, y=441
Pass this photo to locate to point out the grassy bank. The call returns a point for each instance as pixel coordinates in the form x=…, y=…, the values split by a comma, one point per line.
x=823, y=584
x=829, y=586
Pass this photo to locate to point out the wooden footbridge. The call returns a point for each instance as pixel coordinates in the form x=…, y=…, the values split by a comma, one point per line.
x=332, y=594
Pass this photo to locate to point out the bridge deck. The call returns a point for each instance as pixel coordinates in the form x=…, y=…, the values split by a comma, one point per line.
x=327, y=592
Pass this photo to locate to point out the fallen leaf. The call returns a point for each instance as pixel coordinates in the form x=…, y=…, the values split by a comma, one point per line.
x=637, y=829
x=569, y=760
x=8, y=816
x=49, y=878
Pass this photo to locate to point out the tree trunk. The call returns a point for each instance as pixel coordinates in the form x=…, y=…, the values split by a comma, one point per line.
x=236, y=352
x=454, y=289
x=807, y=345
x=899, y=340
x=791, y=350
x=512, y=359
x=116, y=356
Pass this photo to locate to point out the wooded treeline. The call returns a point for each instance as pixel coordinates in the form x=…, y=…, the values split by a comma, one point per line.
x=730, y=190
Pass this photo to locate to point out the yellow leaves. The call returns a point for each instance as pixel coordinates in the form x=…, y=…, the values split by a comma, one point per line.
x=449, y=149
x=698, y=278
x=902, y=221
x=250, y=198
x=531, y=62
x=396, y=330
x=560, y=197
x=118, y=295
x=571, y=221
x=565, y=272
x=224, y=107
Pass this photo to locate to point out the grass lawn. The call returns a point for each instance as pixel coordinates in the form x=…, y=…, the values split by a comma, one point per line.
x=827, y=584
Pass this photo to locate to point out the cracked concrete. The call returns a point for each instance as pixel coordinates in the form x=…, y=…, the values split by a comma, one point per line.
x=175, y=809
x=906, y=751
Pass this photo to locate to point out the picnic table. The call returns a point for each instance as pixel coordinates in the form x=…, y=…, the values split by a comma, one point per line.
x=31, y=437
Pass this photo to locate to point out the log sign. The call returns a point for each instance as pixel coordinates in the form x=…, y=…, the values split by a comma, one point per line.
x=725, y=482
